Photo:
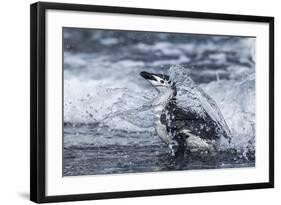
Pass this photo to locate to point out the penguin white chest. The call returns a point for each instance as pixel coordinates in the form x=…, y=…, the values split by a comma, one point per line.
x=161, y=128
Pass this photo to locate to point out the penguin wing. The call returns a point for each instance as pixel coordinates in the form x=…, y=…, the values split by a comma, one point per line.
x=187, y=122
x=211, y=108
x=196, y=103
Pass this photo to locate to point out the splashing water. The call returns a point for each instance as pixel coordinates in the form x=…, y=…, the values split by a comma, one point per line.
x=108, y=112
x=128, y=112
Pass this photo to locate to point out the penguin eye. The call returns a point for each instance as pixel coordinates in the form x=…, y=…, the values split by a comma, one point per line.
x=162, y=81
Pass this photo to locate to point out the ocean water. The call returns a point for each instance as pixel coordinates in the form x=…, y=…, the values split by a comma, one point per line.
x=108, y=128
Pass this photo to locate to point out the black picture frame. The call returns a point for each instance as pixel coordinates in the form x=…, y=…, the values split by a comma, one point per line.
x=38, y=101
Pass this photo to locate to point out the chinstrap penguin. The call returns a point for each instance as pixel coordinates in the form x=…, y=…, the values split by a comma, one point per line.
x=187, y=128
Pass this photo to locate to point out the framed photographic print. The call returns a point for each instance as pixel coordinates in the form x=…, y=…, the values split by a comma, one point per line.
x=129, y=102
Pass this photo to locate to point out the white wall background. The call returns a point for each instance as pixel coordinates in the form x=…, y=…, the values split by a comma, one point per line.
x=14, y=101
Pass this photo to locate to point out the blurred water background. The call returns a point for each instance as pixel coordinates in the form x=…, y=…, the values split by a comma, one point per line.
x=106, y=129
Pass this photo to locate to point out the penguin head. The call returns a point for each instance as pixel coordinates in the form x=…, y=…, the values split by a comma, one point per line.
x=159, y=81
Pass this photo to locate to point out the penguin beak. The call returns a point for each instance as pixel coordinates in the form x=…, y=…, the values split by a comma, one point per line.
x=147, y=76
